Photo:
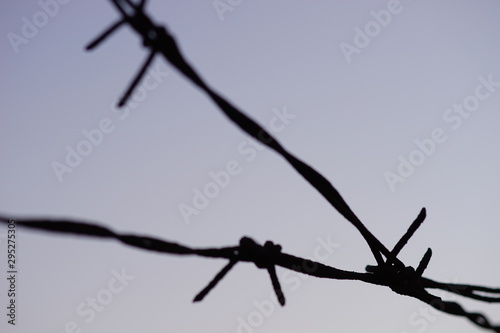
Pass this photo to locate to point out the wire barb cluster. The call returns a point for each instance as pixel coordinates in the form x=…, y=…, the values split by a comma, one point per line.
x=389, y=272
x=159, y=41
x=405, y=282
x=262, y=256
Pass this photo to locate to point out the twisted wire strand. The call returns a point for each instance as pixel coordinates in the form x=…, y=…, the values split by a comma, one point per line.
x=160, y=41
x=406, y=282
x=391, y=273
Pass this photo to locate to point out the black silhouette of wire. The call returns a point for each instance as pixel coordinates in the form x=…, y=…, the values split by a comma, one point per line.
x=159, y=41
x=405, y=282
x=392, y=273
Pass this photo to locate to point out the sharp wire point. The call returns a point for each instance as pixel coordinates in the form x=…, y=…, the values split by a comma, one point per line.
x=136, y=79
x=424, y=262
x=159, y=40
x=409, y=233
x=93, y=44
x=199, y=297
x=276, y=285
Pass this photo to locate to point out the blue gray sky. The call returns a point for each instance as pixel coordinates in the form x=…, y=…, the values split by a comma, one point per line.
x=395, y=102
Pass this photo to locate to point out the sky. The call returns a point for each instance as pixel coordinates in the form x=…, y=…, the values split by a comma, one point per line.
x=395, y=102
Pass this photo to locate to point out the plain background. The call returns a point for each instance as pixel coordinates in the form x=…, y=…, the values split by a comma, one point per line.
x=352, y=122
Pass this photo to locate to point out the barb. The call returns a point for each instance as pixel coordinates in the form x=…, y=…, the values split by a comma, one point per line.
x=391, y=272
x=409, y=233
x=214, y=281
x=405, y=282
x=424, y=262
x=160, y=41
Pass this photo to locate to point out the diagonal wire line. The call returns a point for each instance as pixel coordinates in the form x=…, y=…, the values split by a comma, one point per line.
x=456, y=309
x=104, y=35
x=393, y=273
x=412, y=285
x=409, y=233
x=159, y=40
x=471, y=291
x=276, y=284
x=214, y=281
x=137, y=79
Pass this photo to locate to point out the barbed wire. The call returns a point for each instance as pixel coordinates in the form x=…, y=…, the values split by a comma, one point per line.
x=407, y=281
x=160, y=42
x=391, y=272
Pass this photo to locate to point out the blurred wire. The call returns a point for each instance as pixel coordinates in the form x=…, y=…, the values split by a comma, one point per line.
x=391, y=272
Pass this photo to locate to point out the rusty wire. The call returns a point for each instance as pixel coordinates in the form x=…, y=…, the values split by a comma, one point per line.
x=407, y=281
x=391, y=272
